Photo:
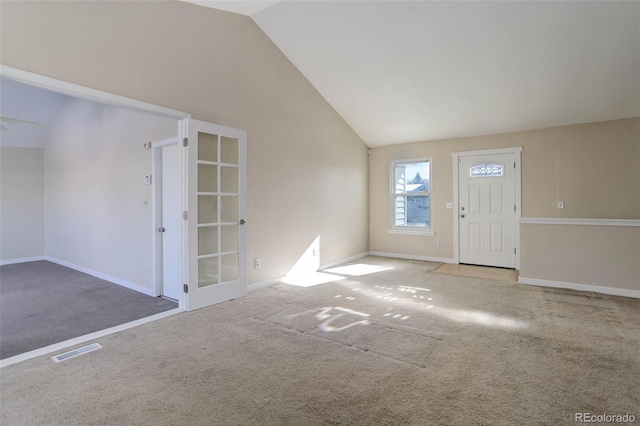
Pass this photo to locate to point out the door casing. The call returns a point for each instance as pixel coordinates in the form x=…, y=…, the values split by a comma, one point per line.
x=517, y=152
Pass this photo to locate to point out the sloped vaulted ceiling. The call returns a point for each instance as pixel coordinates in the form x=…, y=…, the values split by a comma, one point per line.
x=403, y=71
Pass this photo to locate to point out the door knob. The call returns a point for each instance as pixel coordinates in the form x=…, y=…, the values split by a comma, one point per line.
x=242, y=222
x=462, y=208
x=161, y=229
x=462, y=216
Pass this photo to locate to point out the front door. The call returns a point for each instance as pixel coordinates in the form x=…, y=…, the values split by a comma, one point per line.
x=217, y=188
x=487, y=217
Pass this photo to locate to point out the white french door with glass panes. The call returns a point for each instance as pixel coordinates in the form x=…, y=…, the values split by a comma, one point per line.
x=217, y=203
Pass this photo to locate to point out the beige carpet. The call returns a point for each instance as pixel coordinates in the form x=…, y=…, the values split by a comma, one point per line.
x=393, y=347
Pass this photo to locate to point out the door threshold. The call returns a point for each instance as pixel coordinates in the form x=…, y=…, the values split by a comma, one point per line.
x=475, y=271
x=488, y=266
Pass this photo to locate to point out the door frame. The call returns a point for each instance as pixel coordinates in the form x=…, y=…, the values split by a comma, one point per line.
x=156, y=205
x=517, y=153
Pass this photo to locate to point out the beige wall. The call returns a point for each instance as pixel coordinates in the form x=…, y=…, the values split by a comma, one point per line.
x=307, y=170
x=604, y=256
x=21, y=203
x=95, y=215
x=594, y=168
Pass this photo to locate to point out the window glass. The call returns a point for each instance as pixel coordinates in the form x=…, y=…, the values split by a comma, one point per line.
x=412, y=192
x=487, y=169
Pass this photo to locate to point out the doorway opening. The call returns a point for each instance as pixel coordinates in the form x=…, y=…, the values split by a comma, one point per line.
x=167, y=210
x=202, y=167
x=80, y=212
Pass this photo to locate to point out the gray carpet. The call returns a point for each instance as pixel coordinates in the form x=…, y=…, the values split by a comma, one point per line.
x=42, y=303
x=450, y=351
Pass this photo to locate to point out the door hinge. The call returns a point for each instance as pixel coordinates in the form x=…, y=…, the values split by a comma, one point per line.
x=514, y=207
x=185, y=215
x=514, y=164
x=514, y=250
x=185, y=287
x=185, y=142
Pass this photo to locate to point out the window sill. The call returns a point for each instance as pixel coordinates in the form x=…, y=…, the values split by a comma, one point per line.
x=424, y=233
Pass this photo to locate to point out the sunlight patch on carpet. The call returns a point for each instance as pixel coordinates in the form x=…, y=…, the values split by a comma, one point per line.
x=358, y=269
x=311, y=279
x=477, y=317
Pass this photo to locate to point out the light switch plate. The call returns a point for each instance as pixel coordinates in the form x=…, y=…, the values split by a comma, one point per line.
x=561, y=204
x=449, y=205
x=147, y=179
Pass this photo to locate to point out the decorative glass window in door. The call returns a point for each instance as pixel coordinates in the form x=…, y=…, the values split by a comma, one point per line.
x=487, y=170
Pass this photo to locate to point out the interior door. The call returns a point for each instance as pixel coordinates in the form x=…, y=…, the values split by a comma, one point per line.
x=170, y=226
x=217, y=188
x=487, y=217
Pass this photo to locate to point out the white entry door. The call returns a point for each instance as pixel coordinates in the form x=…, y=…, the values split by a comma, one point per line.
x=486, y=210
x=217, y=188
x=170, y=226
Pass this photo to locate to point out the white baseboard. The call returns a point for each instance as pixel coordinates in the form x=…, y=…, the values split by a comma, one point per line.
x=110, y=278
x=580, y=287
x=82, y=339
x=412, y=257
x=343, y=261
x=269, y=283
x=22, y=260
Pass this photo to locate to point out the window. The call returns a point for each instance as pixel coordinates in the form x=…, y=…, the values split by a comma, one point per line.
x=486, y=170
x=411, y=194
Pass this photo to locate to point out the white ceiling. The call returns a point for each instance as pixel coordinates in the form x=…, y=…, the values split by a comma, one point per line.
x=28, y=103
x=400, y=71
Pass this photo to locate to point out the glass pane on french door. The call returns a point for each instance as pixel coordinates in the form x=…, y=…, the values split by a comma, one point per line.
x=218, y=214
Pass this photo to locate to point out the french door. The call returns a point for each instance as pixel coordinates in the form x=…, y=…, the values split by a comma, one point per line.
x=217, y=205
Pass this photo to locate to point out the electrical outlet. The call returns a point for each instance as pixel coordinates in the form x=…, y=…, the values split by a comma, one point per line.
x=135, y=265
x=256, y=263
x=449, y=205
x=439, y=244
x=561, y=204
x=358, y=243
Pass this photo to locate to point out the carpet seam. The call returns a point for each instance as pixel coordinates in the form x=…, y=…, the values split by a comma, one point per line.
x=313, y=336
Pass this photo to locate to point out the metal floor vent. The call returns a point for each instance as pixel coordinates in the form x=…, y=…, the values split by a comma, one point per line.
x=76, y=352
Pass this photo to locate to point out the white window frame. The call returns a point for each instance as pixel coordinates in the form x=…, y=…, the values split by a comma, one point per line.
x=404, y=229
